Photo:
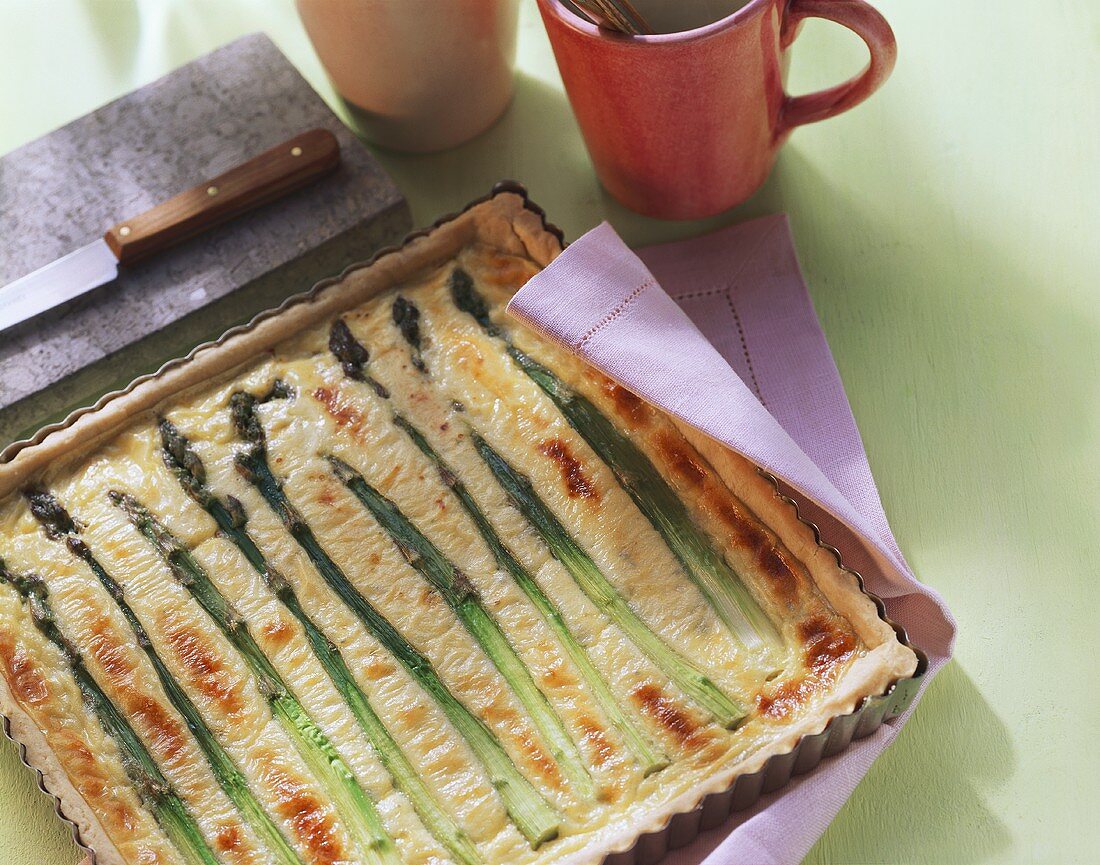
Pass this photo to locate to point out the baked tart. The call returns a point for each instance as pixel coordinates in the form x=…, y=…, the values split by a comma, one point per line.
x=389, y=578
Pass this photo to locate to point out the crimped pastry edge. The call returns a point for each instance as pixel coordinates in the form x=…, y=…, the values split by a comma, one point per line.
x=502, y=221
x=507, y=220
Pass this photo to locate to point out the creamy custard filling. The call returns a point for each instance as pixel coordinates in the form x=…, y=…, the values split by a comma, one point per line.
x=176, y=633
x=415, y=586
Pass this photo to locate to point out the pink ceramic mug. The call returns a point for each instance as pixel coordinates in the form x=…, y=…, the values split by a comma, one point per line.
x=686, y=125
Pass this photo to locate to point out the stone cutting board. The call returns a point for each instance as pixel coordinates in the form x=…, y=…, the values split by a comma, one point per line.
x=67, y=188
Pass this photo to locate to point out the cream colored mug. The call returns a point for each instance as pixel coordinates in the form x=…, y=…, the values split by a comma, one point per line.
x=420, y=75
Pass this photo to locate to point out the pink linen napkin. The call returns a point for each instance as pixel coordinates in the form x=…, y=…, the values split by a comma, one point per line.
x=720, y=332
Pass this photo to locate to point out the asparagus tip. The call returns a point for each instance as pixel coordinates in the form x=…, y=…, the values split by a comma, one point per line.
x=407, y=318
x=46, y=508
x=351, y=353
x=467, y=299
x=242, y=409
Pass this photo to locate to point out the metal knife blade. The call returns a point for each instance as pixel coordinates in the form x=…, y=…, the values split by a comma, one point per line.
x=274, y=173
x=68, y=277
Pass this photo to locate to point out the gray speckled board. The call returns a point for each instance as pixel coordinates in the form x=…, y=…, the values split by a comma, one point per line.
x=67, y=188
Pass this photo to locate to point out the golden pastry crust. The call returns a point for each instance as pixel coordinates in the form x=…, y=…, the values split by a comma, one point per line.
x=840, y=649
x=78, y=764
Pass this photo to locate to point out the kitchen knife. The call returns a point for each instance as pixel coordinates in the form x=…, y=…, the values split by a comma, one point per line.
x=274, y=173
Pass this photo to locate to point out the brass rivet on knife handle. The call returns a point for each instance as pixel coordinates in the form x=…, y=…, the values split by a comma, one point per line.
x=274, y=173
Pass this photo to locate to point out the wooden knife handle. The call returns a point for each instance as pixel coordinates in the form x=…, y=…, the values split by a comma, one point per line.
x=282, y=169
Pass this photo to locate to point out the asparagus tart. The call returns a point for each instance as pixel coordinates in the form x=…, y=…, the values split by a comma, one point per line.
x=388, y=578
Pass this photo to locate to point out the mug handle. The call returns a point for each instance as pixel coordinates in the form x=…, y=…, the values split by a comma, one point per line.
x=867, y=23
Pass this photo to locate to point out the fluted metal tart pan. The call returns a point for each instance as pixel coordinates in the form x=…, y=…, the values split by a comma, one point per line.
x=712, y=809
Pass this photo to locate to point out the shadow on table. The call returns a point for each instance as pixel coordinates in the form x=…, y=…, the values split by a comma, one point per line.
x=932, y=810
x=535, y=141
x=951, y=751
x=117, y=28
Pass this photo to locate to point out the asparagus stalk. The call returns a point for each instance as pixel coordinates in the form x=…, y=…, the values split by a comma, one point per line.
x=286, y=706
x=650, y=759
x=353, y=357
x=60, y=526
x=704, y=564
x=603, y=594
x=461, y=596
x=152, y=787
x=533, y=816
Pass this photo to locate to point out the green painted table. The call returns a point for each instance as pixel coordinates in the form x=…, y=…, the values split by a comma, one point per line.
x=949, y=233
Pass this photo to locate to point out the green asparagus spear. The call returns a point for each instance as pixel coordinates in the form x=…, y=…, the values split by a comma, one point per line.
x=461, y=596
x=703, y=563
x=153, y=788
x=533, y=816
x=444, y=576
x=353, y=357
x=286, y=705
x=603, y=594
x=648, y=756
x=60, y=526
